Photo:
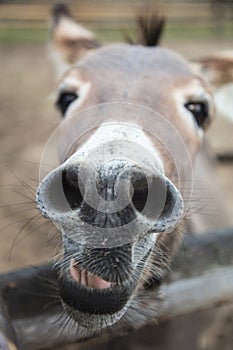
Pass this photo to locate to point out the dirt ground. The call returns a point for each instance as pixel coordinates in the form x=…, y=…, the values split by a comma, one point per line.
x=27, y=120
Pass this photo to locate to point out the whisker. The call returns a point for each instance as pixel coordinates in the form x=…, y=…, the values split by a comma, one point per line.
x=17, y=204
x=17, y=213
x=38, y=215
x=23, y=194
x=23, y=183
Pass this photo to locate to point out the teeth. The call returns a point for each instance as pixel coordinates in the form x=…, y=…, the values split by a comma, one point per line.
x=86, y=278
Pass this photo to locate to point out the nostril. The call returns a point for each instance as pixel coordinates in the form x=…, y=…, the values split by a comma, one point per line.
x=140, y=192
x=157, y=199
x=71, y=175
x=71, y=187
x=162, y=199
x=149, y=195
x=169, y=203
x=172, y=210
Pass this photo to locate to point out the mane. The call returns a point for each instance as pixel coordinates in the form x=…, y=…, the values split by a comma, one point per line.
x=60, y=10
x=150, y=26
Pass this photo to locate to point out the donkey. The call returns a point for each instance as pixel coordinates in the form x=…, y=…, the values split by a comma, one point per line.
x=134, y=117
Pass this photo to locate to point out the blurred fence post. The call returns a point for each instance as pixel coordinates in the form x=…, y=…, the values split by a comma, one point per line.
x=201, y=277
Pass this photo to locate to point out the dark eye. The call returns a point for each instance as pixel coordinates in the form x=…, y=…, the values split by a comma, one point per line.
x=200, y=111
x=64, y=100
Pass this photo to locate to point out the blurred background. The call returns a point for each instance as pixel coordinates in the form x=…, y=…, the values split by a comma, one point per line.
x=26, y=21
x=195, y=29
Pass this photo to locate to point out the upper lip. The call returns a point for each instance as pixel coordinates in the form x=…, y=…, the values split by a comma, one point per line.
x=86, y=278
x=112, y=265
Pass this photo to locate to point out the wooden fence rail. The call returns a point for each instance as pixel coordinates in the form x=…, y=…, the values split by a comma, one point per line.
x=109, y=10
x=201, y=277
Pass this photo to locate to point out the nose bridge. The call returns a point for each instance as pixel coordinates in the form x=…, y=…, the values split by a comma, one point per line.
x=107, y=186
x=107, y=201
x=108, y=175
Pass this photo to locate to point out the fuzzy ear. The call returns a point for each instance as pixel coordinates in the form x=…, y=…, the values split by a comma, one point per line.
x=218, y=68
x=218, y=71
x=70, y=40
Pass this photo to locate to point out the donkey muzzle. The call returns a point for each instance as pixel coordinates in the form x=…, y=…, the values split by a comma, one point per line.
x=111, y=205
x=109, y=216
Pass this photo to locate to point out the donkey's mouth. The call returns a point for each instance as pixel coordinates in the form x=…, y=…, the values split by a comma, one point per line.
x=103, y=292
x=84, y=293
x=87, y=279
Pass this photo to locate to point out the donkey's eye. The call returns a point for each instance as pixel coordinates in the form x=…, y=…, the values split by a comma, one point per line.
x=200, y=111
x=64, y=100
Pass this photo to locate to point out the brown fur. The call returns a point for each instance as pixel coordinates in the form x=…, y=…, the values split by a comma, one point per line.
x=218, y=69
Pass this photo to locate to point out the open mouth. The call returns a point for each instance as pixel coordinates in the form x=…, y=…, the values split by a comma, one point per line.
x=92, y=295
x=86, y=278
x=90, y=292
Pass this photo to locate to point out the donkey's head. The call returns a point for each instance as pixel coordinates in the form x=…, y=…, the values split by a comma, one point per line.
x=133, y=122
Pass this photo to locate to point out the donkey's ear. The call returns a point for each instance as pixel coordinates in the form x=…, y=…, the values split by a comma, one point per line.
x=218, y=68
x=70, y=40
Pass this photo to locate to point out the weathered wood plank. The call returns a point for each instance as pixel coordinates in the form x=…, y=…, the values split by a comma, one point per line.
x=8, y=338
x=201, y=277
